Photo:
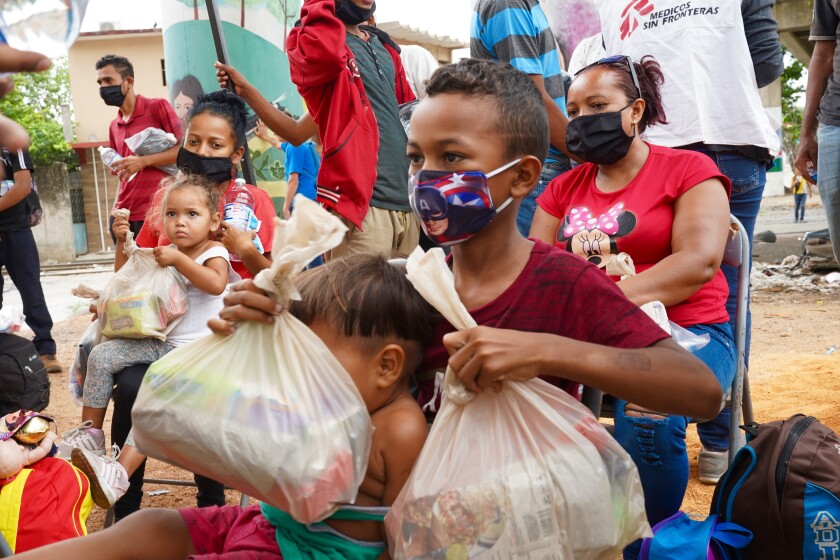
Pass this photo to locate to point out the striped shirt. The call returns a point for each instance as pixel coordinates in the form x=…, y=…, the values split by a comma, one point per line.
x=517, y=32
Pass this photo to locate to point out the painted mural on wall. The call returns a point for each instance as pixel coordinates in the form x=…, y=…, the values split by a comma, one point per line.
x=571, y=21
x=255, y=32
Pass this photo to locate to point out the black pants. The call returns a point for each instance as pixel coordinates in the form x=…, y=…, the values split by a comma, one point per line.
x=133, y=226
x=19, y=254
x=210, y=492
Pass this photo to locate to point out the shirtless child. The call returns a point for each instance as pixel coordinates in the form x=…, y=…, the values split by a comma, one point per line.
x=374, y=322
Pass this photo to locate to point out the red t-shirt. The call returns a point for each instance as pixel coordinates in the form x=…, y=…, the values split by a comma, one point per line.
x=149, y=236
x=559, y=294
x=148, y=113
x=636, y=220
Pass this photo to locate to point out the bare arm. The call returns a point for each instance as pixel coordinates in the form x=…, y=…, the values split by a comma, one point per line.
x=210, y=277
x=296, y=132
x=557, y=121
x=20, y=190
x=819, y=71
x=662, y=377
x=291, y=191
x=698, y=239
x=544, y=227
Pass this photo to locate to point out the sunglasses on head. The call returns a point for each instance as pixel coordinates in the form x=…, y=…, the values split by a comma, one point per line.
x=614, y=61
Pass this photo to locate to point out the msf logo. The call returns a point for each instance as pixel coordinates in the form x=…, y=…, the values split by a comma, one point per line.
x=827, y=535
x=632, y=14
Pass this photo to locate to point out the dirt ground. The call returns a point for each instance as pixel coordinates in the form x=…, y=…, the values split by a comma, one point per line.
x=790, y=371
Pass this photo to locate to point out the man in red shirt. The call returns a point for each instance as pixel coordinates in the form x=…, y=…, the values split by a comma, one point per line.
x=139, y=175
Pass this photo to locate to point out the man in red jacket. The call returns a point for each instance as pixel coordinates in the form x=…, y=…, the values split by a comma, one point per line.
x=352, y=80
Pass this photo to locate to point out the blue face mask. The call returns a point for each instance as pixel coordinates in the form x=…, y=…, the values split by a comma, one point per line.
x=453, y=207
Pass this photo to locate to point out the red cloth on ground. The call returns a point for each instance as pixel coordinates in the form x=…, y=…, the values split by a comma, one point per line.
x=637, y=220
x=45, y=503
x=560, y=294
x=148, y=113
x=231, y=532
x=150, y=237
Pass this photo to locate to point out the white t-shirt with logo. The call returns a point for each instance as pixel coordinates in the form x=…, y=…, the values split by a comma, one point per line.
x=710, y=93
x=201, y=306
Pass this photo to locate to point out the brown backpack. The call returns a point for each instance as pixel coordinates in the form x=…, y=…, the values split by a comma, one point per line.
x=784, y=486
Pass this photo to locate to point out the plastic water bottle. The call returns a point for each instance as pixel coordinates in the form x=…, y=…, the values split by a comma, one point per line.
x=239, y=212
x=46, y=26
x=109, y=156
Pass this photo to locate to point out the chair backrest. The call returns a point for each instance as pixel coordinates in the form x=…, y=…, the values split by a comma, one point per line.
x=737, y=245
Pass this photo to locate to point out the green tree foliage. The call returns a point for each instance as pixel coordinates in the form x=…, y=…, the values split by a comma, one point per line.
x=36, y=104
x=793, y=88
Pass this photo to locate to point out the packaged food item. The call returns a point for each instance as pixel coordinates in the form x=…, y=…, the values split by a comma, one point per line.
x=142, y=299
x=267, y=410
x=526, y=472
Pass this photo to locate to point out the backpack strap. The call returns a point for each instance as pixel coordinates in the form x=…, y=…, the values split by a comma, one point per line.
x=730, y=485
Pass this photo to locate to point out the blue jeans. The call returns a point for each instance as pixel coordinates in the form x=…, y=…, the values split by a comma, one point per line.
x=829, y=180
x=657, y=446
x=528, y=206
x=799, y=206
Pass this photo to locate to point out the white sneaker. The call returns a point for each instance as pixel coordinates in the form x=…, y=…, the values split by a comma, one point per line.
x=108, y=479
x=84, y=437
x=712, y=465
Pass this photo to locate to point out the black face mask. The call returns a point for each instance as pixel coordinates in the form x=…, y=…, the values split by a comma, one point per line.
x=598, y=139
x=112, y=95
x=351, y=14
x=214, y=169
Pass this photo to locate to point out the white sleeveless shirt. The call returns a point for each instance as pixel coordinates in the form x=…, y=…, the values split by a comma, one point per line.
x=201, y=306
x=710, y=93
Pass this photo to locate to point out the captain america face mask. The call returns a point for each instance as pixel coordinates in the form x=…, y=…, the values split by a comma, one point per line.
x=452, y=207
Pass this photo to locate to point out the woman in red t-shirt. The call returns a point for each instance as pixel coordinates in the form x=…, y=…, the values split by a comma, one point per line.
x=214, y=143
x=669, y=211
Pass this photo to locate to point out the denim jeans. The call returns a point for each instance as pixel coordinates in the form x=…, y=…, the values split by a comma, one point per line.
x=528, y=206
x=799, y=206
x=657, y=446
x=828, y=180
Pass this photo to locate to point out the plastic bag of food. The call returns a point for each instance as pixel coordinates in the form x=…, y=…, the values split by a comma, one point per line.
x=142, y=299
x=267, y=410
x=523, y=473
x=153, y=141
x=78, y=371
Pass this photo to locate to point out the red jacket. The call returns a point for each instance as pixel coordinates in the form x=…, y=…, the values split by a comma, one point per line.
x=326, y=75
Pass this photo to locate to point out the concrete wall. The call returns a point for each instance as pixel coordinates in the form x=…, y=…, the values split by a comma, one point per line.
x=143, y=49
x=771, y=98
x=794, y=19
x=54, y=235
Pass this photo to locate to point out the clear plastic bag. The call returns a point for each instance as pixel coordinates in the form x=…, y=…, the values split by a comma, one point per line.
x=153, y=141
x=267, y=410
x=78, y=371
x=142, y=299
x=523, y=473
x=11, y=319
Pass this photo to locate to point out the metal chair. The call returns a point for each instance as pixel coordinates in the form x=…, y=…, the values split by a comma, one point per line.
x=244, y=499
x=736, y=254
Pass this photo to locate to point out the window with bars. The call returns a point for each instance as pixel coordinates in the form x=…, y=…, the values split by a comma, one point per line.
x=77, y=199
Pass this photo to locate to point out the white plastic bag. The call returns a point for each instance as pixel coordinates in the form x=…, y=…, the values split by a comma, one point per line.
x=523, y=473
x=142, y=299
x=153, y=141
x=267, y=410
x=11, y=319
x=78, y=371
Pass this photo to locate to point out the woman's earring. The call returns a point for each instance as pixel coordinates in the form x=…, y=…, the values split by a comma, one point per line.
x=633, y=127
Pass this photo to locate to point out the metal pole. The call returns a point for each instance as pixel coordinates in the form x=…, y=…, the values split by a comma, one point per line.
x=105, y=182
x=222, y=56
x=98, y=205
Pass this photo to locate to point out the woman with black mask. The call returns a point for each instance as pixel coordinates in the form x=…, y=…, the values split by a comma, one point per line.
x=668, y=210
x=214, y=142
